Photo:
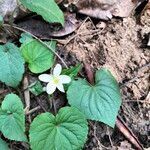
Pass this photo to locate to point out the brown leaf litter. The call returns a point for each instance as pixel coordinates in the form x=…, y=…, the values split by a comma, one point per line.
x=105, y=9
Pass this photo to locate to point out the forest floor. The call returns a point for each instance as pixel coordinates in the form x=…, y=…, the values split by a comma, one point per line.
x=120, y=46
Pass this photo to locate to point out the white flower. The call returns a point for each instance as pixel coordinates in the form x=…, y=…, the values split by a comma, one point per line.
x=55, y=80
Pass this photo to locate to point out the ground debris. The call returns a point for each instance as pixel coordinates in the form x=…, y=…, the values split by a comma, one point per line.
x=46, y=30
x=7, y=7
x=125, y=145
x=105, y=9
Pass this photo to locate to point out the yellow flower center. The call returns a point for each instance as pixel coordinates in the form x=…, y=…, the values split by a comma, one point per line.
x=55, y=80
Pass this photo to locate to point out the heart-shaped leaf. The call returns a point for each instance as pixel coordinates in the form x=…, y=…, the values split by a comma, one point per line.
x=3, y=145
x=99, y=102
x=67, y=131
x=39, y=57
x=48, y=9
x=12, y=118
x=11, y=64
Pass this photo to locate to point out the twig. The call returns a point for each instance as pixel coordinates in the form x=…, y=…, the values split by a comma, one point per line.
x=147, y=99
x=54, y=106
x=39, y=102
x=79, y=32
x=110, y=138
x=136, y=101
x=47, y=46
x=26, y=94
x=33, y=110
x=128, y=133
x=51, y=102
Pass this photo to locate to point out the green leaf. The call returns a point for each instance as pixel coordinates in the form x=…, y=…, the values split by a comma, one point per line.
x=12, y=118
x=1, y=20
x=48, y=9
x=3, y=145
x=11, y=64
x=39, y=57
x=72, y=71
x=25, y=37
x=36, y=88
x=67, y=131
x=99, y=102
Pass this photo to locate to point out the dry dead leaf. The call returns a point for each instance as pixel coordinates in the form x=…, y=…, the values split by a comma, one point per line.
x=105, y=9
x=123, y=8
x=96, y=8
x=145, y=15
x=45, y=30
x=71, y=24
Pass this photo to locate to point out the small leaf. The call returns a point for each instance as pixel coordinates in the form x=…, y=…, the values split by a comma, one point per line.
x=99, y=102
x=67, y=131
x=36, y=88
x=12, y=118
x=48, y=9
x=39, y=57
x=3, y=145
x=11, y=64
x=25, y=37
x=73, y=71
x=1, y=20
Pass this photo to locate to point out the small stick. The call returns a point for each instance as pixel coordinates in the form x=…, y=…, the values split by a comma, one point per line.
x=33, y=110
x=54, y=106
x=110, y=138
x=39, y=102
x=137, y=101
x=128, y=133
x=26, y=94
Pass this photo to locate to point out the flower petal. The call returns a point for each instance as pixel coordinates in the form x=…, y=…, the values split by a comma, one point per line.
x=45, y=78
x=57, y=70
x=50, y=88
x=60, y=87
x=64, y=79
